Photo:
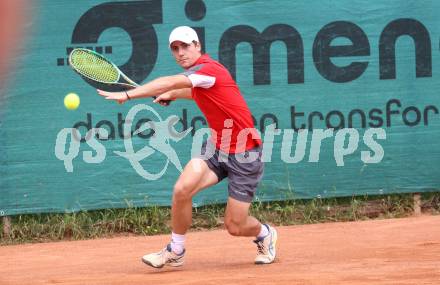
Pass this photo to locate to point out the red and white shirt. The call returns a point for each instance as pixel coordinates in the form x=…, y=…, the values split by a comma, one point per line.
x=219, y=98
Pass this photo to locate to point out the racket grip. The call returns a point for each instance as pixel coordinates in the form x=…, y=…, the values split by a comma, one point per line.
x=166, y=102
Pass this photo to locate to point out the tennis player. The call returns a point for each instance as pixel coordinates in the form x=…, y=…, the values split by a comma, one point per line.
x=227, y=154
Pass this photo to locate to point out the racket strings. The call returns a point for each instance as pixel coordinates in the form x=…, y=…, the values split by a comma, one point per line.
x=93, y=66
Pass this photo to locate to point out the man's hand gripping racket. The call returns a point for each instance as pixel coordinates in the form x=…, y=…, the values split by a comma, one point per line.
x=104, y=75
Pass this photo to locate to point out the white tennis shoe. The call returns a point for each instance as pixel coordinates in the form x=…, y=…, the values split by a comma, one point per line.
x=164, y=257
x=266, y=247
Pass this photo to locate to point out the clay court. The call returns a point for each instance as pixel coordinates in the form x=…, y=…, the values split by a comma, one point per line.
x=397, y=251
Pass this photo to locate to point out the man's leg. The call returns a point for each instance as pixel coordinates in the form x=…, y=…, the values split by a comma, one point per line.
x=237, y=219
x=195, y=177
x=238, y=222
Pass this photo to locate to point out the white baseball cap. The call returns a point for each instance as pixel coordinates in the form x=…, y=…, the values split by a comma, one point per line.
x=184, y=34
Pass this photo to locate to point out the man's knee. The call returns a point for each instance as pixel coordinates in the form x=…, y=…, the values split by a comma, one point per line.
x=182, y=191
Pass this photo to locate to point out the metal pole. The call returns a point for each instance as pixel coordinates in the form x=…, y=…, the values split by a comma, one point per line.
x=417, y=204
x=6, y=226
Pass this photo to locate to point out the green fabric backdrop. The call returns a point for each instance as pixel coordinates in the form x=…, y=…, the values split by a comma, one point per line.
x=290, y=59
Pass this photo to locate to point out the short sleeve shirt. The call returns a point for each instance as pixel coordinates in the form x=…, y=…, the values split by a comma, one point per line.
x=219, y=98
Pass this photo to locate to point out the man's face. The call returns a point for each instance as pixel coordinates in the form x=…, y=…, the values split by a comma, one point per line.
x=185, y=54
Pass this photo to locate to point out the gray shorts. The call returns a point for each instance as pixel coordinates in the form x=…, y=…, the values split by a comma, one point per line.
x=243, y=170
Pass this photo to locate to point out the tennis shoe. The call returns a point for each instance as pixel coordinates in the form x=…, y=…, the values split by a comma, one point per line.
x=164, y=257
x=266, y=247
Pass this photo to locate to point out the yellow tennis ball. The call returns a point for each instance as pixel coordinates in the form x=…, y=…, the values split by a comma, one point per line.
x=71, y=101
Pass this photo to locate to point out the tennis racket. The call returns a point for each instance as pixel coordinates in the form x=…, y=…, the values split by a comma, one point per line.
x=100, y=72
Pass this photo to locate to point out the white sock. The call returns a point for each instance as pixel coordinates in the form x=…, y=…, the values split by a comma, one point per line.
x=263, y=232
x=177, y=243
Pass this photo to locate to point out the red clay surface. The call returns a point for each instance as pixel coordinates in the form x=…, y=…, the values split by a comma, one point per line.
x=397, y=251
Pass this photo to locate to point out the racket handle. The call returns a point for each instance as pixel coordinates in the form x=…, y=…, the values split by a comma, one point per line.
x=166, y=102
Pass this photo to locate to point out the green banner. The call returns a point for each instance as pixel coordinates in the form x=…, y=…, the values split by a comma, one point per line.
x=345, y=96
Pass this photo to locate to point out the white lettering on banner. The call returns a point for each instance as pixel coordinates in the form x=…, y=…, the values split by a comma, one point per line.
x=317, y=137
x=60, y=146
x=300, y=149
x=339, y=150
x=373, y=145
